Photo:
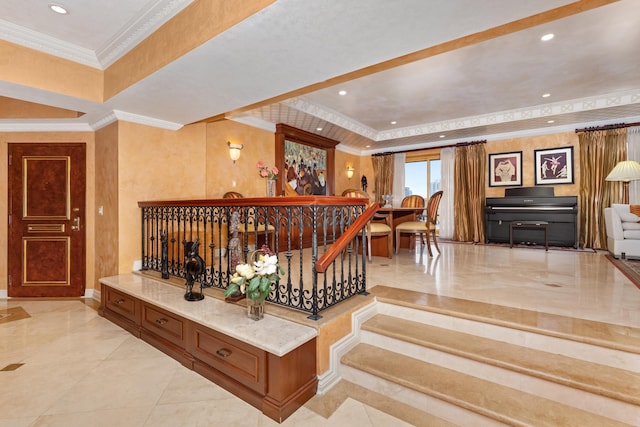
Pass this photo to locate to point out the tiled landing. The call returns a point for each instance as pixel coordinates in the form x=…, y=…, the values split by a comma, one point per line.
x=480, y=364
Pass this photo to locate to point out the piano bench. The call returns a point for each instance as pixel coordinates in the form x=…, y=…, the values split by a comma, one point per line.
x=539, y=225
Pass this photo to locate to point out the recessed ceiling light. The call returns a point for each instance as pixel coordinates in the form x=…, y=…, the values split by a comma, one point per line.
x=393, y=122
x=550, y=121
x=367, y=146
x=546, y=95
x=318, y=129
x=58, y=9
x=547, y=37
x=441, y=136
x=342, y=93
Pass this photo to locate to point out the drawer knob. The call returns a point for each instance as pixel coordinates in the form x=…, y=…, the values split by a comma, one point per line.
x=161, y=321
x=223, y=352
x=119, y=301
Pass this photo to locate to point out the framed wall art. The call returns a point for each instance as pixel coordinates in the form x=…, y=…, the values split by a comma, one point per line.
x=306, y=161
x=554, y=166
x=505, y=169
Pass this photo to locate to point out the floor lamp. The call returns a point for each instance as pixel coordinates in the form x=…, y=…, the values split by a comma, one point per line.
x=625, y=171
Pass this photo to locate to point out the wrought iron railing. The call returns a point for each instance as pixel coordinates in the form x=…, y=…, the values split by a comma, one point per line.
x=314, y=237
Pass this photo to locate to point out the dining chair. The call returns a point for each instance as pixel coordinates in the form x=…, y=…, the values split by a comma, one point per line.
x=423, y=228
x=250, y=227
x=374, y=228
x=412, y=201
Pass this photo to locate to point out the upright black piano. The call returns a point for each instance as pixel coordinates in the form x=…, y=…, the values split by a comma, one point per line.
x=532, y=204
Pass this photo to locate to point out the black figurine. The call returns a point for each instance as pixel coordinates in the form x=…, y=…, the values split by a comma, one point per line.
x=194, y=266
x=364, y=183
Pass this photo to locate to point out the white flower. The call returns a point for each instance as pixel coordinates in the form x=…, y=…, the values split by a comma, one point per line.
x=245, y=270
x=266, y=265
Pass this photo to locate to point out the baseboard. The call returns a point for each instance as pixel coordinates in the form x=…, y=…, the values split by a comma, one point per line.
x=92, y=294
x=88, y=293
x=342, y=346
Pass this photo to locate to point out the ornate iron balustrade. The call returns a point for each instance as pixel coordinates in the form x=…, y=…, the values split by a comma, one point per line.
x=313, y=236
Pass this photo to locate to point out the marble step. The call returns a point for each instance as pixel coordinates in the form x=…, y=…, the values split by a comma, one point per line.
x=591, y=377
x=601, y=334
x=469, y=400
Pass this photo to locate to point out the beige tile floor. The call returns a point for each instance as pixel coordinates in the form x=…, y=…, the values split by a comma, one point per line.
x=81, y=370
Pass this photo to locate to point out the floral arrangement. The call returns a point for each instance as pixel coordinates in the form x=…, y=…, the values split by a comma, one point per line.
x=265, y=172
x=255, y=279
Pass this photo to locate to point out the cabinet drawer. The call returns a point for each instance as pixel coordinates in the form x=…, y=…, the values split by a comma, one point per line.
x=240, y=361
x=164, y=324
x=122, y=304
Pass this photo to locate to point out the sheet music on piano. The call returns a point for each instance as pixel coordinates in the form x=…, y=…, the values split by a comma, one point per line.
x=532, y=204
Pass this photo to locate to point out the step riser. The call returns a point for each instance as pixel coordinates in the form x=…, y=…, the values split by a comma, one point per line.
x=611, y=408
x=423, y=402
x=577, y=350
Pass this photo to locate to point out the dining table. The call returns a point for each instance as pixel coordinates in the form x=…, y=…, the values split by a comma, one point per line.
x=395, y=216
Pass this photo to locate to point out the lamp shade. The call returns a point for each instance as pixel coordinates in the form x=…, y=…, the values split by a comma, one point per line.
x=234, y=151
x=628, y=170
x=349, y=172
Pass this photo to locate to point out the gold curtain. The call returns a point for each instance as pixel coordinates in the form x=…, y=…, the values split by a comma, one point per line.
x=600, y=152
x=382, y=176
x=469, y=171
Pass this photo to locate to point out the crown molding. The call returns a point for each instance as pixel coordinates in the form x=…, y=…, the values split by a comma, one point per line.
x=144, y=120
x=505, y=135
x=331, y=116
x=132, y=33
x=37, y=41
x=538, y=111
x=138, y=29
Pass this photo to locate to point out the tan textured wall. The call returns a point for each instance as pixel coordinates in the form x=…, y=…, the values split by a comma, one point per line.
x=16, y=109
x=222, y=174
x=155, y=164
x=341, y=181
x=527, y=145
x=106, y=236
x=29, y=67
x=44, y=137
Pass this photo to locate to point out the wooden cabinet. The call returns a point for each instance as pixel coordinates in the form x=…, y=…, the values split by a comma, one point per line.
x=164, y=324
x=243, y=362
x=122, y=309
x=277, y=385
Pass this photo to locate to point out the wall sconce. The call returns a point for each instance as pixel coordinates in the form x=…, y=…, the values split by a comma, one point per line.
x=349, y=171
x=234, y=151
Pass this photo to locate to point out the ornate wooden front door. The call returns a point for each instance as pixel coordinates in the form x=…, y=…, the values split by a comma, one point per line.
x=46, y=220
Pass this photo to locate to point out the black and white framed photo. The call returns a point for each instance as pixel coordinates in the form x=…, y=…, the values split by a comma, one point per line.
x=505, y=169
x=554, y=166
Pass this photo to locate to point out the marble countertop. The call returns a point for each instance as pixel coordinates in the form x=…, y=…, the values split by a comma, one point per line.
x=273, y=334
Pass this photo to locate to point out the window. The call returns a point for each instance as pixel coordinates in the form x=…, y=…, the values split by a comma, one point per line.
x=422, y=176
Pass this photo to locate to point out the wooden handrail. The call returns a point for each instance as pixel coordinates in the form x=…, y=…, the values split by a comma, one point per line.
x=258, y=201
x=341, y=243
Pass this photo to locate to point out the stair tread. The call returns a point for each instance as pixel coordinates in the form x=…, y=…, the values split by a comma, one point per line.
x=592, y=377
x=619, y=337
x=502, y=403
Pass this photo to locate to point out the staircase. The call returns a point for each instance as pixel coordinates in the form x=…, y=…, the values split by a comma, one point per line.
x=475, y=364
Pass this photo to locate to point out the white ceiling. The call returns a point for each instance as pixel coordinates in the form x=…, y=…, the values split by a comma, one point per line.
x=487, y=90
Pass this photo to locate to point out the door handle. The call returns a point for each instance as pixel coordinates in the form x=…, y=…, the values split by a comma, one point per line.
x=76, y=224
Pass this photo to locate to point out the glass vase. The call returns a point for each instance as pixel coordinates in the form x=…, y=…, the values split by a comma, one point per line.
x=271, y=187
x=255, y=309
